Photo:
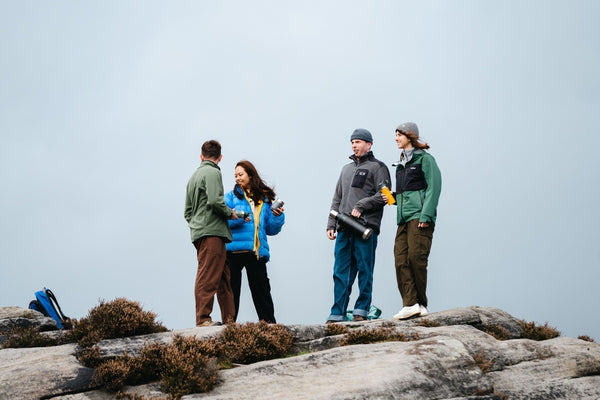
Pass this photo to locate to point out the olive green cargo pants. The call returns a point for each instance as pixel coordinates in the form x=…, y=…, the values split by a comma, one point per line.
x=411, y=251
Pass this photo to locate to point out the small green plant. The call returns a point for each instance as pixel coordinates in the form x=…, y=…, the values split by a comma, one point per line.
x=253, y=342
x=534, y=332
x=586, y=338
x=497, y=331
x=372, y=335
x=336, y=329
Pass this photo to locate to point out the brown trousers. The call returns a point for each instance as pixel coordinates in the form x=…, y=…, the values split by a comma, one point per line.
x=411, y=251
x=212, y=278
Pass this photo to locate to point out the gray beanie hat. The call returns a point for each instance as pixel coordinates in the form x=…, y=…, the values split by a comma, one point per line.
x=409, y=127
x=362, y=134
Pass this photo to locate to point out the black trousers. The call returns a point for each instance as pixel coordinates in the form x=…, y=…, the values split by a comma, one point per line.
x=256, y=271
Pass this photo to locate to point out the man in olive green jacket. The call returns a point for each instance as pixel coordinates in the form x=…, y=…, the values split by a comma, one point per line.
x=207, y=215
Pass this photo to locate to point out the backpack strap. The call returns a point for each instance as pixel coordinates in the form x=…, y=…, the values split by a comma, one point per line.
x=55, y=304
x=37, y=306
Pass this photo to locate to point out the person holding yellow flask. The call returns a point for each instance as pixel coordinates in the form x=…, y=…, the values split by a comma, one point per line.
x=418, y=188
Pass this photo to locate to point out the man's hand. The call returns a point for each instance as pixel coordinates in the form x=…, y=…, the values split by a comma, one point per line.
x=423, y=225
x=331, y=234
x=233, y=214
x=356, y=213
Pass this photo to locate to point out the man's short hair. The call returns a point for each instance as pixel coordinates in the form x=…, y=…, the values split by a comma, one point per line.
x=211, y=149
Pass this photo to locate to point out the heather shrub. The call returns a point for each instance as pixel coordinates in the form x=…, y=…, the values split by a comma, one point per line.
x=134, y=396
x=484, y=363
x=187, y=365
x=252, y=342
x=427, y=323
x=497, y=331
x=372, y=335
x=186, y=369
x=115, y=319
x=534, y=332
x=30, y=337
x=586, y=338
x=90, y=356
x=112, y=374
x=336, y=329
x=148, y=366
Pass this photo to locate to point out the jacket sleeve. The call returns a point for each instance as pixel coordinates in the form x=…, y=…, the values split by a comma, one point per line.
x=214, y=194
x=273, y=223
x=335, y=203
x=382, y=174
x=232, y=202
x=187, y=212
x=433, y=177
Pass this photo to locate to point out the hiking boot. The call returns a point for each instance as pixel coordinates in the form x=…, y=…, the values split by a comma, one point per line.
x=209, y=323
x=424, y=311
x=358, y=318
x=407, y=312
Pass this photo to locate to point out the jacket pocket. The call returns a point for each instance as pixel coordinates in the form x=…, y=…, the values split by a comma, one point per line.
x=360, y=177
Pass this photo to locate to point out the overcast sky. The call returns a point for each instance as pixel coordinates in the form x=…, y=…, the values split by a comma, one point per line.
x=104, y=107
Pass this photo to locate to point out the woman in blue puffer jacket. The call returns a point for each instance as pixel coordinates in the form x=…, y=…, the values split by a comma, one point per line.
x=249, y=247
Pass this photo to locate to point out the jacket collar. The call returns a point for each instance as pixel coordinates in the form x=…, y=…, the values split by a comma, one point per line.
x=357, y=160
x=210, y=163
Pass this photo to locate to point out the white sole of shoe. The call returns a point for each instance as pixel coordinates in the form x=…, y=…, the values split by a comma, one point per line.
x=407, y=316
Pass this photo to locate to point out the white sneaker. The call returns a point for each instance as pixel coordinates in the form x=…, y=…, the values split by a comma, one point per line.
x=408, y=312
x=424, y=311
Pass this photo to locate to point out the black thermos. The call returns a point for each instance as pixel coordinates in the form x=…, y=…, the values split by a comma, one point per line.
x=352, y=224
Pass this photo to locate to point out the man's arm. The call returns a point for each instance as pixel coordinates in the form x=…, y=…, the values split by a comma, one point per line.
x=382, y=174
x=214, y=194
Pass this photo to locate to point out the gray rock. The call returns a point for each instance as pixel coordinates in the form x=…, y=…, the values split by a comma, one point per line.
x=43, y=371
x=450, y=357
x=18, y=317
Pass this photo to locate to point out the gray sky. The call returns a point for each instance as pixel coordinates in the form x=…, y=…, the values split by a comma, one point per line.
x=104, y=107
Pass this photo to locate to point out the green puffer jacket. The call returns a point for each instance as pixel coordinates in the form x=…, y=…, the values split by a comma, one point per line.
x=418, y=188
x=205, y=208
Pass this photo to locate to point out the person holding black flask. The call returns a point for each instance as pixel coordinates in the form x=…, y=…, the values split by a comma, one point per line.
x=249, y=248
x=357, y=197
x=418, y=188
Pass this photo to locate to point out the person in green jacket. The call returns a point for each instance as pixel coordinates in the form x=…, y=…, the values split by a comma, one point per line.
x=206, y=214
x=418, y=187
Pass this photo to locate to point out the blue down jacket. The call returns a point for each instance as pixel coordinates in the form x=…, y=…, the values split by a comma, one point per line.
x=243, y=232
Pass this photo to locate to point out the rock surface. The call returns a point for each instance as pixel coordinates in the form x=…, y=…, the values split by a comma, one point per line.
x=450, y=357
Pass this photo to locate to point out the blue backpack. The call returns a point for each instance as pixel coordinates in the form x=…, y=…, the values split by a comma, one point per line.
x=45, y=302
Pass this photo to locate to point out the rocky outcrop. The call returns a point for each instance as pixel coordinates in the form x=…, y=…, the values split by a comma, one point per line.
x=17, y=317
x=449, y=357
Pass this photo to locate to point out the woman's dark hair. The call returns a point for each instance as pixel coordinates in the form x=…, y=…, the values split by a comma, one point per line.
x=258, y=187
x=414, y=140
